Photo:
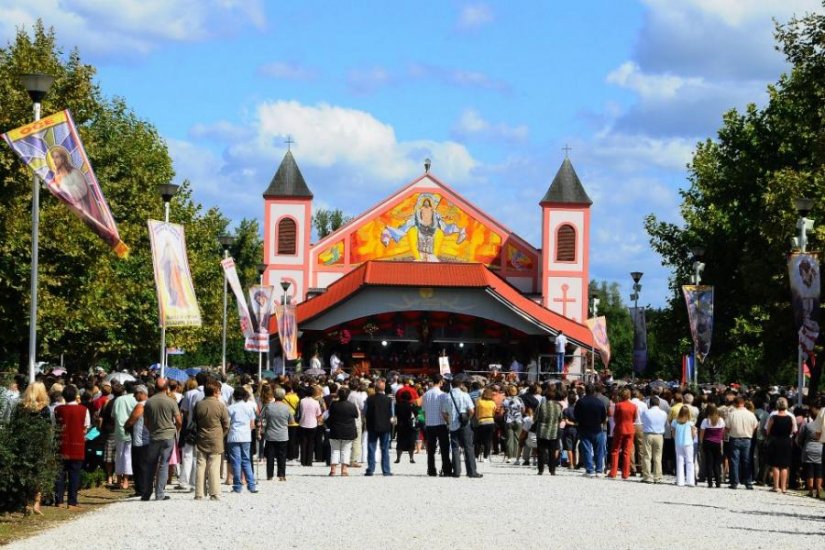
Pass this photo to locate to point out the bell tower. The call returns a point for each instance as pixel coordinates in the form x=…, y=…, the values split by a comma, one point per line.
x=565, y=262
x=287, y=229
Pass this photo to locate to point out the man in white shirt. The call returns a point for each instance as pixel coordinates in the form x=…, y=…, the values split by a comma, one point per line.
x=561, y=348
x=454, y=404
x=654, y=420
x=436, y=430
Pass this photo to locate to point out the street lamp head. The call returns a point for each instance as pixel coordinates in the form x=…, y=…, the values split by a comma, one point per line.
x=262, y=269
x=226, y=241
x=37, y=85
x=804, y=206
x=697, y=251
x=167, y=191
x=285, y=285
x=637, y=276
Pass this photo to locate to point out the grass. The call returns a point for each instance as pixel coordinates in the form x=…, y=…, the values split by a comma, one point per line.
x=18, y=526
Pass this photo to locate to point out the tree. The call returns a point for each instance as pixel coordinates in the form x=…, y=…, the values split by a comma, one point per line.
x=327, y=221
x=740, y=207
x=94, y=307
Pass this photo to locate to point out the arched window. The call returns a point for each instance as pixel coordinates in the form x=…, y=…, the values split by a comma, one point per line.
x=566, y=244
x=287, y=231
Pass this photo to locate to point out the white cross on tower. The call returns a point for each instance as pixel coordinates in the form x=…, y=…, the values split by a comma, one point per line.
x=564, y=300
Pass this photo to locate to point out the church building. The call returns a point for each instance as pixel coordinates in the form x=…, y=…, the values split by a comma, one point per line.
x=426, y=273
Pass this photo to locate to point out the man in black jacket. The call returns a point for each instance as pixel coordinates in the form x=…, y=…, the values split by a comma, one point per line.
x=590, y=414
x=378, y=413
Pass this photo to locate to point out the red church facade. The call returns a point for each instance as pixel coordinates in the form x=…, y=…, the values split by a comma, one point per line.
x=425, y=272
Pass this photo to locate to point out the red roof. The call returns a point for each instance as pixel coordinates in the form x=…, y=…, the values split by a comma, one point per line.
x=426, y=274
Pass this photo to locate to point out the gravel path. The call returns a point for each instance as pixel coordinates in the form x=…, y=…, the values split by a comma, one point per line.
x=510, y=507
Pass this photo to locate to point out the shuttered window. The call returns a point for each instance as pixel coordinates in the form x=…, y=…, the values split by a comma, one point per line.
x=566, y=244
x=286, y=236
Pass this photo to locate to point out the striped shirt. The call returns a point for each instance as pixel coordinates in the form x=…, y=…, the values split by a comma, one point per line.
x=431, y=403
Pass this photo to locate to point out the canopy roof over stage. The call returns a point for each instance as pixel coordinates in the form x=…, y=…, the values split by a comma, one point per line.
x=378, y=287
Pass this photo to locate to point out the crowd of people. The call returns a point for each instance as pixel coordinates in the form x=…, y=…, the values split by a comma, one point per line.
x=148, y=432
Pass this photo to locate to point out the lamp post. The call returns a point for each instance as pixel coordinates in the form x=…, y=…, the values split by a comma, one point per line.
x=637, y=289
x=804, y=224
x=698, y=266
x=261, y=271
x=226, y=242
x=37, y=85
x=594, y=308
x=284, y=285
x=166, y=191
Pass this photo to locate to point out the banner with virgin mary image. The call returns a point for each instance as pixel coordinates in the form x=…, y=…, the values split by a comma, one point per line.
x=287, y=330
x=52, y=149
x=261, y=299
x=803, y=269
x=176, y=293
x=699, y=300
x=598, y=326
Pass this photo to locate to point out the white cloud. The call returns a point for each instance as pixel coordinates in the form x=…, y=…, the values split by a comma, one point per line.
x=736, y=13
x=328, y=135
x=630, y=153
x=286, y=70
x=472, y=124
x=106, y=27
x=660, y=86
x=474, y=16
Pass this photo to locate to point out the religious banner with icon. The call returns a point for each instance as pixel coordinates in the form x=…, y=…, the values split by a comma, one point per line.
x=287, y=330
x=699, y=300
x=637, y=315
x=231, y=273
x=261, y=298
x=52, y=149
x=176, y=294
x=803, y=269
x=598, y=326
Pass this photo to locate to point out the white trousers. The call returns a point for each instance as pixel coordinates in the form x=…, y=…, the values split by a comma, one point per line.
x=188, y=465
x=341, y=451
x=123, y=458
x=684, y=465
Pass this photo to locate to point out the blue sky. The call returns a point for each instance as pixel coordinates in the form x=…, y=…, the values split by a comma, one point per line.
x=491, y=91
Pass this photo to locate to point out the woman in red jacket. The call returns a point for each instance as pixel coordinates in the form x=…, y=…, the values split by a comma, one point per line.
x=73, y=419
x=624, y=416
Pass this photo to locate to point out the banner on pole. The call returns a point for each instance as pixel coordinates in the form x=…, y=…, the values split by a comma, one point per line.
x=231, y=273
x=261, y=299
x=803, y=269
x=177, y=303
x=699, y=300
x=637, y=315
x=598, y=326
x=287, y=330
x=52, y=149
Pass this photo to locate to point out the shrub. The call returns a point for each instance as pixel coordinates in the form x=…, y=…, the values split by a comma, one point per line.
x=29, y=461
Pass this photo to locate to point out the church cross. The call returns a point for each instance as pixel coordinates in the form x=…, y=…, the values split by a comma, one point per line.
x=289, y=141
x=566, y=150
x=564, y=300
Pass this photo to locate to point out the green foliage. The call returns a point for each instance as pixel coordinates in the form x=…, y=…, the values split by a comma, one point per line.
x=740, y=207
x=327, y=221
x=28, y=460
x=94, y=307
